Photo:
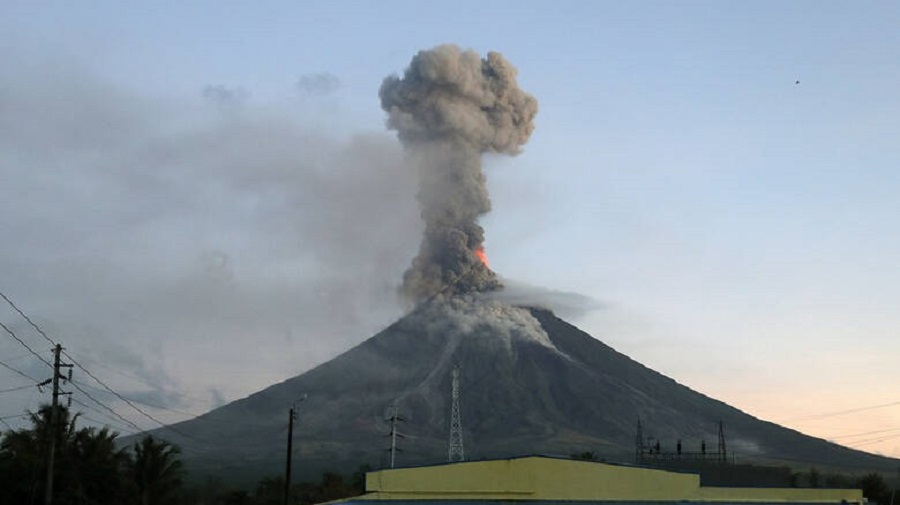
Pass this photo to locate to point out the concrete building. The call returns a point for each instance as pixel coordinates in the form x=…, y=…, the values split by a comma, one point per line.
x=544, y=480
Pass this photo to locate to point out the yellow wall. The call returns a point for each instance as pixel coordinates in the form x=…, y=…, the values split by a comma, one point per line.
x=539, y=478
x=533, y=479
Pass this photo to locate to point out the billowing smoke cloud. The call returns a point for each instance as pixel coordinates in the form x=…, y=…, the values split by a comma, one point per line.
x=449, y=108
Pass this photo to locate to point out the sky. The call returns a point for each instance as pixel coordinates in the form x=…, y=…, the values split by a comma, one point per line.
x=201, y=199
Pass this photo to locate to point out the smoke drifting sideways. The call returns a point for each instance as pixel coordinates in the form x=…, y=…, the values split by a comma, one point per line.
x=180, y=237
x=450, y=107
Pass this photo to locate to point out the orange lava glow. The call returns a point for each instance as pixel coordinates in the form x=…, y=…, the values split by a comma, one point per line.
x=479, y=253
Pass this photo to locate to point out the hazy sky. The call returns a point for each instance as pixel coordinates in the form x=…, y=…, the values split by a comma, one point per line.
x=200, y=199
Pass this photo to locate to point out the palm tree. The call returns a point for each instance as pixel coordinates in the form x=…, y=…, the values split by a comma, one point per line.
x=23, y=456
x=22, y=468
x=156, y=471
x=98, y=466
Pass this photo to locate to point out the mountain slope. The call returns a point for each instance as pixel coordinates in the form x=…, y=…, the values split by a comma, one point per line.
x=530, y=382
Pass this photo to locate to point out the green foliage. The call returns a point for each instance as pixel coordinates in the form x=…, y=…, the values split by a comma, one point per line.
x=815, y=478
x=875, y=489
x=838, y=481
x=270, y=490
x=873, y=485
x=88, y=468
x=155, y=471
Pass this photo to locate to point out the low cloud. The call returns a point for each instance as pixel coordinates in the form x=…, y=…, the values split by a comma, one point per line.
x=565, y=304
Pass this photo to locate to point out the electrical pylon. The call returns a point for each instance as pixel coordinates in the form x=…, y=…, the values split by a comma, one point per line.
x=639, y=442
x=455, y=452
x=723, y=453
x=394, y=419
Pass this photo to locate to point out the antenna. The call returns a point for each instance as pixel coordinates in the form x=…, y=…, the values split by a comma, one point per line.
x=455, y=452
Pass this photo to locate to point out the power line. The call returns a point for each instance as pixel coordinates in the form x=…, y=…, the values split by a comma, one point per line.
x=875, y=440
x=19, y=356
x=24, y=315
x=126, y=400
x=10, y=390
x=107, y=424
x=147, y=404
x=120, y=372
x=15, y=416
x=4, y=418
x=146, y=383
x=98, y=402
x=13, y=335
x=109, y=421
x=865, y=433
x=23, y=374
x=842, y=412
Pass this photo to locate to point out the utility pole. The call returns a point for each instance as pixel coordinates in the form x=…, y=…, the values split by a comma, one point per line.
x=455, y=450
x=394, y=434
x=292, y=415
x=54, y=419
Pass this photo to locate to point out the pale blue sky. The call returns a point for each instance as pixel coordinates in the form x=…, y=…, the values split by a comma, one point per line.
x=740, y=229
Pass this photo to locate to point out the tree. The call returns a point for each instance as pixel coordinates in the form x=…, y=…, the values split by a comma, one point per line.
x=155, y=471
x=23, y=456
x=358, y=480
x=874, y=488
x=98, y=468
x=87, y=469
x=814, y=477
x=22, y=468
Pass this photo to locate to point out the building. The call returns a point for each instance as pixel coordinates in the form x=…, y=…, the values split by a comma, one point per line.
x=540, y=479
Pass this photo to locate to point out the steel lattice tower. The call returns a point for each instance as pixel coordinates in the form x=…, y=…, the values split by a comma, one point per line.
x=395, y=417
x=455, y=452
x=723, y=455
x=639, y=442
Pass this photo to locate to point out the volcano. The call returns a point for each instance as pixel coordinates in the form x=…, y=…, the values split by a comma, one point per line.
x=529, y=382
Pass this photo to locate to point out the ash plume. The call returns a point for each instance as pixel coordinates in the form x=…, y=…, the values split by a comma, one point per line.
x=449, y=107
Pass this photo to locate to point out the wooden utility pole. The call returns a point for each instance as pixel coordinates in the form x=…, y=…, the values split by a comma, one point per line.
x=290, y=447
x=292, y=415
x=54, y=420
x=53, y=429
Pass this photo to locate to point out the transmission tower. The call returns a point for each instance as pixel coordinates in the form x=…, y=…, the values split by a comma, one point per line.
x=455, y=452
x=394, y=419
x=723, y=456
x=639, y=442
